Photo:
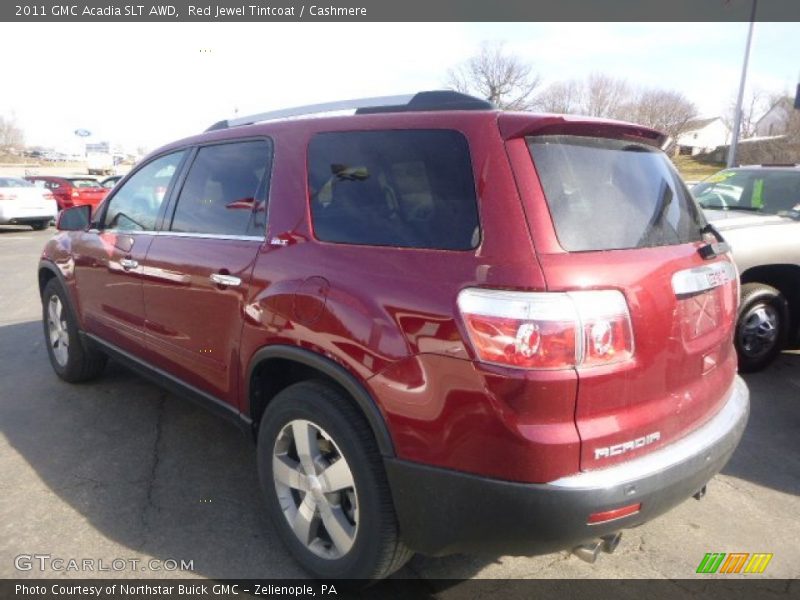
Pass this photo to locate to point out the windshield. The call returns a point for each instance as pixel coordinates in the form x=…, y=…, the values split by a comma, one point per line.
x=14, y=182
x=768, y=191
x=609, y=194
x=84, y=183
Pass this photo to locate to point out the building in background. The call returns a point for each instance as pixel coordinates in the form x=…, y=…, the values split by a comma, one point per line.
x=703, y=135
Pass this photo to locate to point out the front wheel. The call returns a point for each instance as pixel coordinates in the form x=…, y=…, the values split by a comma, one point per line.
x=70, y=358
x=762, y=327
x=325, y=486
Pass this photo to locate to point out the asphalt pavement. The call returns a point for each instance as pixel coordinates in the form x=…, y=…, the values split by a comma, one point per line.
x=119, y=469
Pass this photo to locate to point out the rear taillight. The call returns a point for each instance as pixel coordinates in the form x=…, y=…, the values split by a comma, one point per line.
x=48, y=196
x=543, y=330
x=7, y=196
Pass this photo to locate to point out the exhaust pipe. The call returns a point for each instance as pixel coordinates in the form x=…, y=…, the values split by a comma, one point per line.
x=607, y=543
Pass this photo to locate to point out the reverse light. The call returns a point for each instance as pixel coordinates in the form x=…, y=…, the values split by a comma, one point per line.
x=75, y=193
x=544, y=330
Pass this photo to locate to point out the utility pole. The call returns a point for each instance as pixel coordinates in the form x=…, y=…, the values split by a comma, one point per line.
x=737, y=117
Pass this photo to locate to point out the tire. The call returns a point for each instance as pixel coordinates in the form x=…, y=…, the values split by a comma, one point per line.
x=368, y=544
x=70, y=358
x=762, y=327
x=41, y=225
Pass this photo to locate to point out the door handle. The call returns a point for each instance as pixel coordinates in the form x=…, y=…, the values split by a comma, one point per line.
x=128, y=263
x=225, y=280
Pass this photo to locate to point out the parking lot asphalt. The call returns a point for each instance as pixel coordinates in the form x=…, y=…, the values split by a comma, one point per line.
x=120, y=469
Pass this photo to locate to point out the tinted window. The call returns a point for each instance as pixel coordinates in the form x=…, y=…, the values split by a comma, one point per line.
x=608, y=194
x=136, y=204
x=770, y=191
x=225, y=190
x=84, y=183
x=393, y=188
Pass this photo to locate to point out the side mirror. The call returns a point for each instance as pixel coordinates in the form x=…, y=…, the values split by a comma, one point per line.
x=76, y=218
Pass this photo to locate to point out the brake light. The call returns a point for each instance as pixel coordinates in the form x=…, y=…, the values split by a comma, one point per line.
x=544, y=330
x=7, y=196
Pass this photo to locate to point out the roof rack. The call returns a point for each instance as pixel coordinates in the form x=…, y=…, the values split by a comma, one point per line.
x=421, y=101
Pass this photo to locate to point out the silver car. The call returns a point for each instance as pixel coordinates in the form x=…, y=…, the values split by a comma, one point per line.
x=757, y=210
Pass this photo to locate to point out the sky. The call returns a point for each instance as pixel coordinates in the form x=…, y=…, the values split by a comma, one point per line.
x=146, y=84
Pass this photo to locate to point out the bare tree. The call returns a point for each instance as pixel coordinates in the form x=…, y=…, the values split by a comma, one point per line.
x=605, y=96
x=562, y=97
x=499, y=77
x=755, y=104
x=667, y=111
x=11, y=135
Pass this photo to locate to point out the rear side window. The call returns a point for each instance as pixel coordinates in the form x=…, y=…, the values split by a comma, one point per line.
x=606, y=194
x=225, y=190
x=411, y=189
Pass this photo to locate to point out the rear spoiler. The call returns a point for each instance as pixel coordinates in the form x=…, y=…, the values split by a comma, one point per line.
x=516, y=125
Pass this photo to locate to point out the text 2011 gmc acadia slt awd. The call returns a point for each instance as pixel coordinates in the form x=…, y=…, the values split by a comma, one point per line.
x=448, y=328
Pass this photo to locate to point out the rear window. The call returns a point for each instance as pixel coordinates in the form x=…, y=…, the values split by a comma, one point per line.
x=84, y=183
x=606, y=194
x=411, y=188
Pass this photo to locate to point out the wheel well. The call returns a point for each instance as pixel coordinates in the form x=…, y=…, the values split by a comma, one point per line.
x=785, y=279
x=271, y=375
x=45, y=275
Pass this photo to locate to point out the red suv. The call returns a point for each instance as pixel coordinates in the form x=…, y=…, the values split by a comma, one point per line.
x=71, y=191
x=448, y=328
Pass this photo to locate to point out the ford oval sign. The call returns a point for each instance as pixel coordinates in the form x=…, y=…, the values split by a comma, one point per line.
x=83, y=132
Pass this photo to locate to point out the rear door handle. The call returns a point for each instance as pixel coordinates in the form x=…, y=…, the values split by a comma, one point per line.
x=128, y=263
x=225, y=280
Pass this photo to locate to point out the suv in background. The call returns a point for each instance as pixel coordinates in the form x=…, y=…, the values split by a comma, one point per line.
x=757, y=209
x=437, y=347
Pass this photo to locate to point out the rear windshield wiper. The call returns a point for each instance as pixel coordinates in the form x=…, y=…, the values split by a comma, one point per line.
x=711, y=249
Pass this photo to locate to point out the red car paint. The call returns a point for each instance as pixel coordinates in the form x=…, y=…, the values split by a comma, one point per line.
x=67, y=193
x=389, y=315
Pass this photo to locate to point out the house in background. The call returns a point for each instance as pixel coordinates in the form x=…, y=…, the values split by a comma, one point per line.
x=703, y=135
x=776, y=120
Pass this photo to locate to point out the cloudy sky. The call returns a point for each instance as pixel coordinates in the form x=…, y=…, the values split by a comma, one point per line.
x=147, y=84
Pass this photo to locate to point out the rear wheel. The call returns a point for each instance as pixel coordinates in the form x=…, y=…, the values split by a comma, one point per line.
x=762, y=326
x=41, y=225
x=325, y=486
x=70, y=358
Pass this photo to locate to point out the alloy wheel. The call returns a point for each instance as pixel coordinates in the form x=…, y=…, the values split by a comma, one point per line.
x=758, y=332
x=57, y=329
x=316, y=489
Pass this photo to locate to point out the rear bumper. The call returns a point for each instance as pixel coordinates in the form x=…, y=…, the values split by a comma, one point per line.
x=443, y=511
x=12, y=214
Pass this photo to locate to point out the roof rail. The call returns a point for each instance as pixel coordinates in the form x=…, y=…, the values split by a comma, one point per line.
x=421, y=101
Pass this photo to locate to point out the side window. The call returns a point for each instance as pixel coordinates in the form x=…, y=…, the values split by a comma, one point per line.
x=412, y=189
x=135, y=206
x=225, y=190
